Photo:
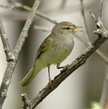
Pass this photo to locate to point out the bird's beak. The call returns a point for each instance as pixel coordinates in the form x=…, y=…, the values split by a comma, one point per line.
x=78, y=30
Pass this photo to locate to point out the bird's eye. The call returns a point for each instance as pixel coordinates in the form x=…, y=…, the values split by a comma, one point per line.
x=67, y=28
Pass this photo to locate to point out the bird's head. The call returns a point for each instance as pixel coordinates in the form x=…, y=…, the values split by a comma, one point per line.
x=65, y=27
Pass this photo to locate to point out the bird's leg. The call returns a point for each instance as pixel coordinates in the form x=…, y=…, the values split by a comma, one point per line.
x=49, y=76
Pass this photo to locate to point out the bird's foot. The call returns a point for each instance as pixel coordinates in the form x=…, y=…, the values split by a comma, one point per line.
x=61, y=67
x=65, y=68
x=50, y=83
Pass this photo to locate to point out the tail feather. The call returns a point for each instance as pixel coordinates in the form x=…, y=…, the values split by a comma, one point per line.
x=32, y=73
x=28, y=78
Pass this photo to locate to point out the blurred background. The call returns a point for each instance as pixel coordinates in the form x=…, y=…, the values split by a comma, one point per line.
x=84, y=85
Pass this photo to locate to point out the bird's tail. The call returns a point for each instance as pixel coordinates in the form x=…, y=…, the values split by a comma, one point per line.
x=28, y=78
x=32, y=74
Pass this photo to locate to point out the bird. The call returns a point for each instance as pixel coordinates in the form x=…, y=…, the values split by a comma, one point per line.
x=53, y=50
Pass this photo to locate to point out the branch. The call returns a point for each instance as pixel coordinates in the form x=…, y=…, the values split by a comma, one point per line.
x=25, y=29
x=66, y=72
x=100, y=10
x=40, y=14
x=26, y=101
x=7, y=50
x=99, y=25
x=105, y=85
x=88, y=42
x=4, y=6
x=80, y=60
x=11, y=65
x=98, y=52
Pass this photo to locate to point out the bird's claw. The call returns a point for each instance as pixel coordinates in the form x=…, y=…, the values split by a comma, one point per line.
x=50, y=83
x=65, y=68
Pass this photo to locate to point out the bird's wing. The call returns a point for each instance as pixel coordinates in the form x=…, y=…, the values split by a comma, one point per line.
x=44, y=46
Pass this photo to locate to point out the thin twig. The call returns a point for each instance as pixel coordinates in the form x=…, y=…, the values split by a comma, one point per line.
x=105, y=84
x=40, y=14
x=26, y=101
x=92, y=15
x=42, y=28
x=3, y=6
x=98, y=52
x=9, y=55
x=63, y=3
x=87, y=33
x=25, y=29
x=11, y=65
x=84, y=22
x=100, y=10
x=104, y=94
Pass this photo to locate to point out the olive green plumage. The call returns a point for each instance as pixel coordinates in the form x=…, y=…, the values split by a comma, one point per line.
x=54, y=49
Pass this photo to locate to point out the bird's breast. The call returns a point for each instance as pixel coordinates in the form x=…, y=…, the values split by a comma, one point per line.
x=58, y=51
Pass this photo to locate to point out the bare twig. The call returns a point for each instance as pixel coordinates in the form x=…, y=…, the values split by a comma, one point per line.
x=9, y=55
x=11, y=65
x=105, y=84
x=84, y=22
x=3, y=6
x=92, y=15
x=105, y=90
x=42, y=28
x=63, y=3
x=26, y=101
x=101, y=28
x=46, y=17
x=100, y=10
x=87, y=33
x=25, y=29
x=40, y=14
x=98, y=52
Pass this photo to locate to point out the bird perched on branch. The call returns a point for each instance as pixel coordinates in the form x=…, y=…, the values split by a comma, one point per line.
x=54, y=49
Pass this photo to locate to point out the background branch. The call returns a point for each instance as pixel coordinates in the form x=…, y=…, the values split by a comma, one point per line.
x=40, y=14
x=100, y=10
x=45, y=29
x=7, y=50
x=11, y=65
x=63, y=3
x=84, y=23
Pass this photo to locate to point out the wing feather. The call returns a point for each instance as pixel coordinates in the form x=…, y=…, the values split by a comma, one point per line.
x=44, y=46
